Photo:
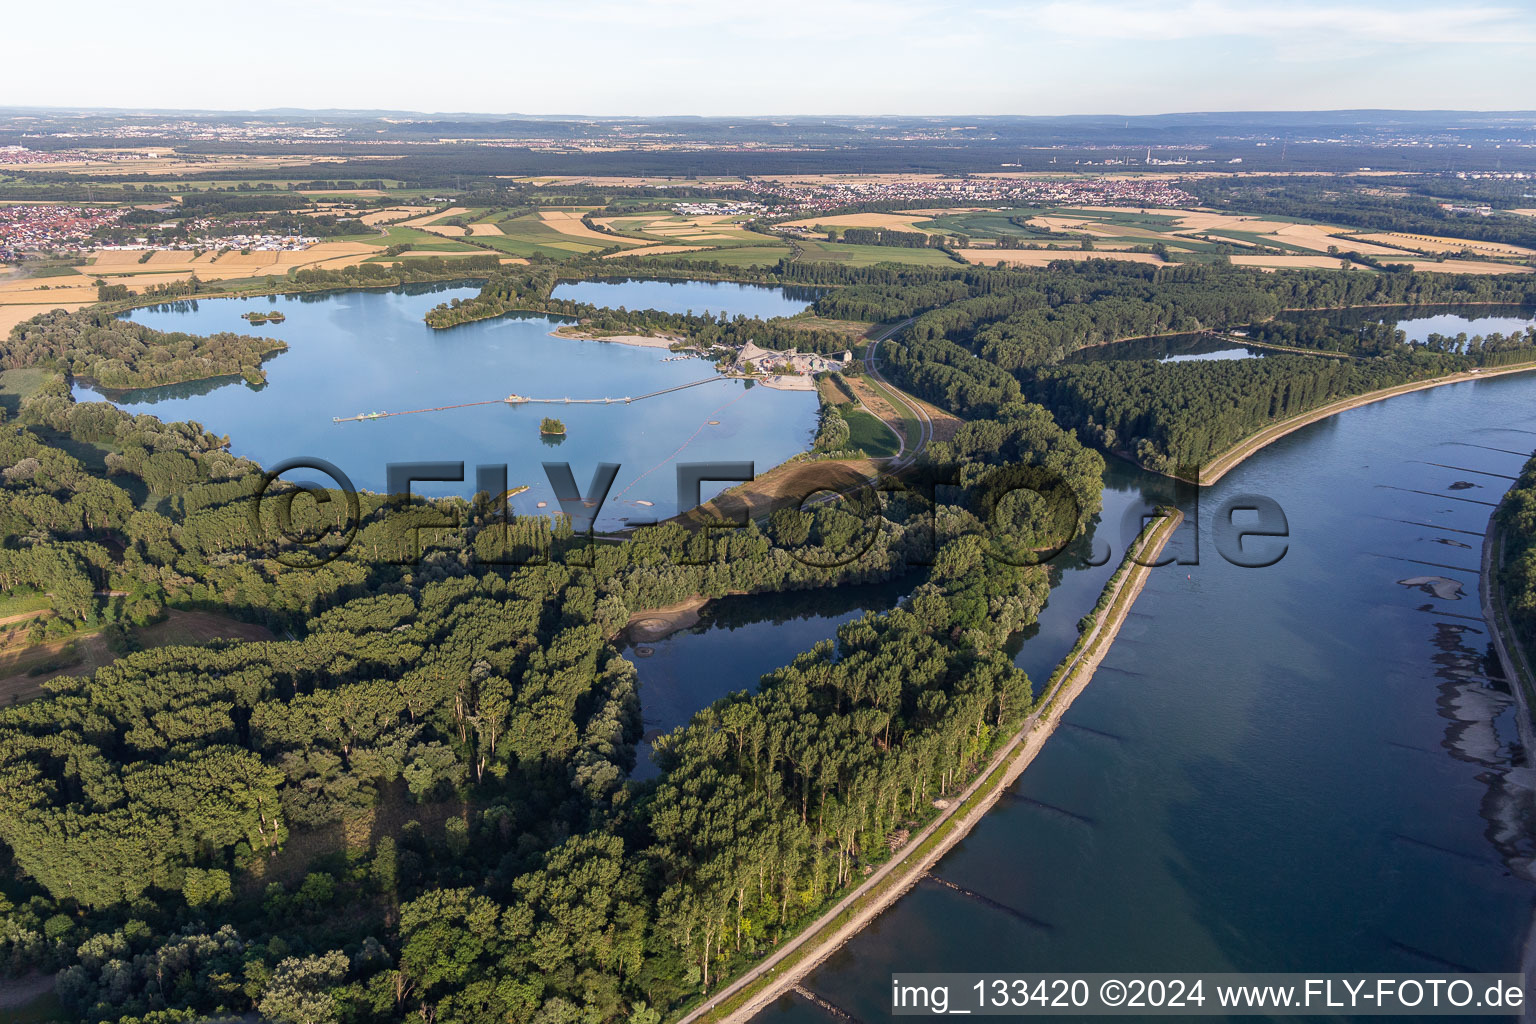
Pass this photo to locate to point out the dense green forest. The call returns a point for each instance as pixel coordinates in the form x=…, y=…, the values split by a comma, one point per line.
x=171, y=823
x=114, y=353
x=1517, y=514
x=980, y=340
x=1175, y=416
x=416, y=804
x=528, y=289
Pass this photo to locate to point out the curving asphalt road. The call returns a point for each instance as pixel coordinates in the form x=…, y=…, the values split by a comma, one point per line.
x=908, y=453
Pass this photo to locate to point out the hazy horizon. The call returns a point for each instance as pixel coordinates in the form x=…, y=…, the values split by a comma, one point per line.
x=556, y=115
x=822, y=58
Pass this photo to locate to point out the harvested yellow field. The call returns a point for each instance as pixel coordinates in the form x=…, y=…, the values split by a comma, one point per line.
x=446, y=230
x=1289, y=262
x=1320, y=237
x=169, y=259
x=33, y=290
x=483, y=228
x=1466, y=267
x=1227, y=227
x=117, y=258
x=421, y=222
x=1205, y=220
x=1040, y=257
x=656, y=250
x=898, y=221
x=1439, y=243
x=394, y=213
x=570, y=224
x=702, y=228
x=254, y=259
x=178, y=266
x=11, y=315
x=1096, y=229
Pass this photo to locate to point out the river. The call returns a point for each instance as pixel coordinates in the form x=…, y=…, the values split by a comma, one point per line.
x=1300, y=767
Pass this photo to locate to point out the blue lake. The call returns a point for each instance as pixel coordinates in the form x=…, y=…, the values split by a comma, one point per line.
x=361, y=352
x=682, y=296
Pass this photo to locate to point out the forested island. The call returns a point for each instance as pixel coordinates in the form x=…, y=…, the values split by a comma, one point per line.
x=419, y=806
x=114, y=353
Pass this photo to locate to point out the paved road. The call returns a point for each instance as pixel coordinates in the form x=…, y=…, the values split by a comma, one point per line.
x=909, y=451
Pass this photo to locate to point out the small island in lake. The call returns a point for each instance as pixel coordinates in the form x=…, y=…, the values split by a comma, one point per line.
x=257, y=317
x=550, y=426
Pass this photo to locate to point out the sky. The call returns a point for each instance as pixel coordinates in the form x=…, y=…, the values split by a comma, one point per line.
x=725, y=57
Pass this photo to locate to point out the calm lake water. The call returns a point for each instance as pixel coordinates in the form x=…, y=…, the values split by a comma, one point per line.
x=359, y=352
x=1297, y=768
x=1173, y=348
x=698, y=296
x=736, y=642
x=1419, y=322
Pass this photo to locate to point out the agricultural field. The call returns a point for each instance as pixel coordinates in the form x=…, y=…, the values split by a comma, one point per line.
x=912, y=221
x=869, y=255
x=1041, y=257
x=1198, y=235
x=740, y=256
x=1438, y=244
x=704, y=229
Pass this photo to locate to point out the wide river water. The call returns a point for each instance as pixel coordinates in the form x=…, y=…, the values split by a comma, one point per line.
x=1304, y=767
x=362, y=352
